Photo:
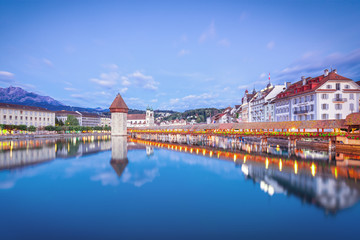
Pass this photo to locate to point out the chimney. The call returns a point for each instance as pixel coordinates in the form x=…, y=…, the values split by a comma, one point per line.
x=335, y=71
x=287, y=84
x=326, y=72
x=303, y=80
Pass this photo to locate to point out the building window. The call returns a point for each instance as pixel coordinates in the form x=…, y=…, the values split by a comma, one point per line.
x=294, y=118
x=351, y=96
x=338, y=106
x=26, y=118
x=338, y=116
x=324, y=106
x=351, y=107
x=312, y=116
x=10, y=117
x=324, y=116
x=338, y=86
x=347, y=86
x=21, y=118
x=324, y=96
x=4, y=116
x=311, y=108
x=312, y=98
x=328, y=86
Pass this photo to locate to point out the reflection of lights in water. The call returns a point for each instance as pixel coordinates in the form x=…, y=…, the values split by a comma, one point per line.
x=197, y=151
x=244, y=159
x=267, y=188
x=313, y=169
x=295, y=167
x=211, y=153
x=185, y=149
x=234, y=157
x=218, y=154
x=336, y=173
x=191, y=150
x=277, y=148
x=180, y=149
x=68, y=147
x=204, y=152
x=267, y=163
x=245, y=169
x=280, y=165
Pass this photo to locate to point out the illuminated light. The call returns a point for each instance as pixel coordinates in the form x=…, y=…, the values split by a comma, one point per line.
x=234, y=157
x=197, y=151
x=218, y=154
x=244, y=159
x=185, y=149
x=180, y=149
x=271, y=190
x=204, y=151
x=211, y=153
x=280, y=165
x=336, y=173
x=295, y=167
x=245, y=169
x=313, y=169
x=191, y=150
x=277, y=148
x=267, y=163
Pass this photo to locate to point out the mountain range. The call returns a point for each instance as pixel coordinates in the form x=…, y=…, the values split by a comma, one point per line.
x=17, y=95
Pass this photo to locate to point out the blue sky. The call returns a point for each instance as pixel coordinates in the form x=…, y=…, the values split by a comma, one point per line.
x=172, y=54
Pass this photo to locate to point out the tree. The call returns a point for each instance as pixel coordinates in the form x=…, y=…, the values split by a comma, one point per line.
x=22, y=127
x=31, y=129
x=59, y=122
x=71, y=121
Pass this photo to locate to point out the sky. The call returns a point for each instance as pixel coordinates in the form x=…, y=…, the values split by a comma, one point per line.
x=172, y=55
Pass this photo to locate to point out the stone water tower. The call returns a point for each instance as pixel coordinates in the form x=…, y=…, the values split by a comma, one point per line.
x=119, y=111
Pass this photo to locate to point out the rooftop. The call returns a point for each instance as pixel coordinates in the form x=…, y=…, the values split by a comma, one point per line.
x=23, y=107
x=119, y=105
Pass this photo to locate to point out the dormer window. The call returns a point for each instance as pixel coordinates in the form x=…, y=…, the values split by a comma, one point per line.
x=328, y=86
x=347, y=86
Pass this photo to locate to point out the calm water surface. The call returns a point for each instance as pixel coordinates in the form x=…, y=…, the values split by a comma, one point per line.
x=80, y=188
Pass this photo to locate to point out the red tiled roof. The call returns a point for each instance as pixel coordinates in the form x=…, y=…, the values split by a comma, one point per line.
x=119, y=105
x=352, y=119
x=358, y=83
x=311, y=85
x=23, y=107
x=136, y=116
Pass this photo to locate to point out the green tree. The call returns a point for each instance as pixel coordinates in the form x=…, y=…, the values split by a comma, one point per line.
x=21, y=127
x=31, y=129
x=59, y=122
x=71, y=121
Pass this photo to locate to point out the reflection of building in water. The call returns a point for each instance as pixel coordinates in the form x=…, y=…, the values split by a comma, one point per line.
x=23, y=157
x=149, y=150
x=21, y=153
x=66, y=149
x=322, y=190
x=119, y=158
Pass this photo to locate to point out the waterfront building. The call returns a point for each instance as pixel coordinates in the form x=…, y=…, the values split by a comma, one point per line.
x=63, y=115
x=141, y=120
x=84, y=119
x=105, y=120
x=328, y=96
x=262, y=108
x=13, y=114
x=245, y=105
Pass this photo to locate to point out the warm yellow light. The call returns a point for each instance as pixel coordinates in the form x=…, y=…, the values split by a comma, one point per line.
x=191, y=150
x=313, y=169
x=204, y=151
x=295, y=167
x=280, y=165
x=211, y=153
x=267, y=163
x=336, y=173
x=245, y=159
x=197, y=151
x=218, y=154
x=234, y=157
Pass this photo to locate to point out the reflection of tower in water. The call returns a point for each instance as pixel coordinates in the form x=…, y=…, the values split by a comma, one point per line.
x=149, y=150
x=119, y=159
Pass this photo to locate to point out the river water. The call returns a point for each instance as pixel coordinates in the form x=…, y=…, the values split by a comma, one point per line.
x=103, y=188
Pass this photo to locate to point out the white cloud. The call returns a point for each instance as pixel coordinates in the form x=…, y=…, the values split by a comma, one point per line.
x=111, y=66
x=123, y=90
x=251, y=85
x=106, y=79
x=208, y=33
x=4, y=75
x=224, y=42
x=48, y=62
x=125, y=81
x=183, y=52
x=70, y=89
x=262, y=75
x=270, y=45
x=139, y=79
x=154, y=100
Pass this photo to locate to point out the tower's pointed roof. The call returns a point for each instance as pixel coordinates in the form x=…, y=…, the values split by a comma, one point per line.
x=119, y=105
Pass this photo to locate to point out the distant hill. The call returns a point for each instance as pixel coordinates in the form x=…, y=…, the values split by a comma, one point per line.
x=199, y=115
x=17, y=95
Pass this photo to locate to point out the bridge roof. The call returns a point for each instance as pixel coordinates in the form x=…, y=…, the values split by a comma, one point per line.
x=325, y=124
x=353, y=119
